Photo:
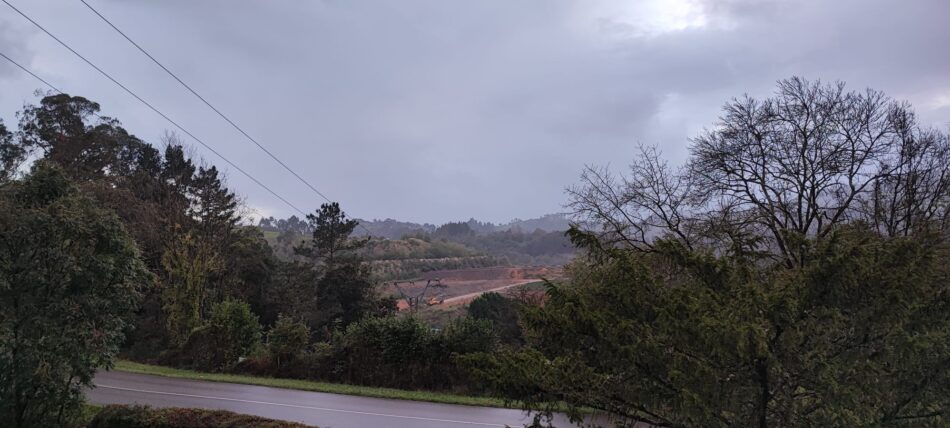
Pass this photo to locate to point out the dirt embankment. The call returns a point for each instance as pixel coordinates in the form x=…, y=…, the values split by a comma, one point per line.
x=464, y=285
x=495, y=273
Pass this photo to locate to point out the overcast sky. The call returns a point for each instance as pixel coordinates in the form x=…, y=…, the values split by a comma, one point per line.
x=444, y=110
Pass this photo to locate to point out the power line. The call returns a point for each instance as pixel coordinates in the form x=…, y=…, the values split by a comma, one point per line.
x=27, y=71
x=195, y=93
x=147, y=104
x=211, y=106
x=58, y=91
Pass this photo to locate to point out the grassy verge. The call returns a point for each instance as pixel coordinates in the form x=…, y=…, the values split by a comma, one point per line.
x=306, y=385
x=85, y=415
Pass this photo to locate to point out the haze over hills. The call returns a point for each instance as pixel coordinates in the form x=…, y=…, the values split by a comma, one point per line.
x=396, y=229
x=400, y=249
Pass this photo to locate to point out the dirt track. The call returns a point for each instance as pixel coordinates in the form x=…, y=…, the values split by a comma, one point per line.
x=464, y=285
x=466, y=298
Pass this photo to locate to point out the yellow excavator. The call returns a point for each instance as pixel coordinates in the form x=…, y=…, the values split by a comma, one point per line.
x=436, y=300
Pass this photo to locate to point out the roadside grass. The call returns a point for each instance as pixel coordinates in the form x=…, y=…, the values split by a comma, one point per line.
x=85, y=416
x=306, y=385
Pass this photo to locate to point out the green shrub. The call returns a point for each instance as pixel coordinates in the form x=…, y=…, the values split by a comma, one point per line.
x=236, y=327
x=394, y=351
x=144, y=417
x=287, y=339
x=404, y=352
x=467, y=335
x=503, y=314
x=70, y=280
x=232, y=332
x=123, y=417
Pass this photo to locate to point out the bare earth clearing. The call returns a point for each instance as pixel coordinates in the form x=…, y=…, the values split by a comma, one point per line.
x=464, y=285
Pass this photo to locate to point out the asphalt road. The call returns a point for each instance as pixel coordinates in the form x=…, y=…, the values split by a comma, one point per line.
x=312, y=408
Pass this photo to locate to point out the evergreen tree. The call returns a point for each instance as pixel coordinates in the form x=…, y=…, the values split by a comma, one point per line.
x=11, y=154
x=70, y=278
x=677, y=337
x=213, y=205
x=330, y=240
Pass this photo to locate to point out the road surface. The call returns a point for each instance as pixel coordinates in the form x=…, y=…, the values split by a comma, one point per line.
x=312, y=408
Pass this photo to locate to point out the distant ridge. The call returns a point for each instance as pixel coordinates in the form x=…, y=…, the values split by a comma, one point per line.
x=395, y=229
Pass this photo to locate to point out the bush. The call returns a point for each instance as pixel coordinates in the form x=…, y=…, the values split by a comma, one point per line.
x=393, y=352
x=858, y=337
x=404, y=352
x=502, y=312
x=238, y=329
x=144, y=417
x=467, y=335
x=232, y=332
x=287, y=339
x=318, y=362
x=70, y=277
x=123, y=417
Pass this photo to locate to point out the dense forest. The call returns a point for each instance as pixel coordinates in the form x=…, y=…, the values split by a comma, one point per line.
x=793, y=272
x=454, y=245
x=394, y=229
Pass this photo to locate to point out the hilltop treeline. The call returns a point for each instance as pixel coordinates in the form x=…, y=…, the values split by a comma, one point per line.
x=484, y=243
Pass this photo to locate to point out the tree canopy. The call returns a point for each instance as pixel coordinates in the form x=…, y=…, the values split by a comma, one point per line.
x=70, y=278
x=792, y=273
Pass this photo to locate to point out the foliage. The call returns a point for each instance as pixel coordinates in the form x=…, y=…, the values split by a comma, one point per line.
x=501, y=312
x=213, y=204
x=330, y=240
x=685, y=338
x=792, y=273
x=394, y=230
x=385, y=270
x=311, y=385
x=287, y=339
x=779, y=172
x=388, y=352
x=291, y=224
x=11, y=154
x=116, y=416
x=251, y=270
x=451, y=230
x=181, y=214
x=455, y=245
x=329, y=287
x=413, y=248
x=535, y=248
x=406, y=353
x=70, y=277
x=188, y=264
x=468, y=335
x=236, y=329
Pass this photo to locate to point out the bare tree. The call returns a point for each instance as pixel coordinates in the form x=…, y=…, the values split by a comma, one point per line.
x=774, y=173
x=915, y=196
x=652, y=200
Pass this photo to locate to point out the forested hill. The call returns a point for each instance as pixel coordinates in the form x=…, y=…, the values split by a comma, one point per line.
x=395, y=229
x=538, y=241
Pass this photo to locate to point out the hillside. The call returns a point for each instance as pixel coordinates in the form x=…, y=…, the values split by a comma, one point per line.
x=400, y=249
x=395, y=229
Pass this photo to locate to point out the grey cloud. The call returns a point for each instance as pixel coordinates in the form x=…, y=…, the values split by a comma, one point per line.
x=441, y=110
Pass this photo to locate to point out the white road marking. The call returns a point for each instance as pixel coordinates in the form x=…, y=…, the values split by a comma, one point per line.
x=300, y=407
